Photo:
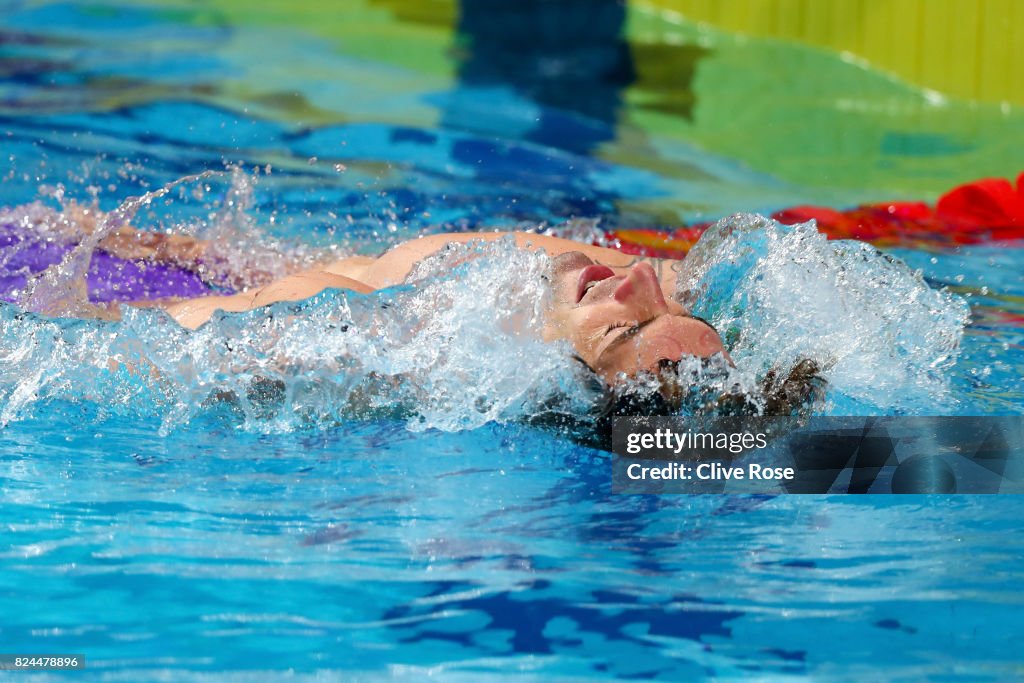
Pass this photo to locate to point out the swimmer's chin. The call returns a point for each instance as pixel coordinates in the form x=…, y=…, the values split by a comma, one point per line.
x=554, y=332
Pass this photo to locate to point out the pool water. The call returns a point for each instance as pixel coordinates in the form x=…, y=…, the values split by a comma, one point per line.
x=169, y=541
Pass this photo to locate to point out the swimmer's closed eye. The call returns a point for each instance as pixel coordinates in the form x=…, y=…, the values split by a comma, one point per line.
x=634, y=329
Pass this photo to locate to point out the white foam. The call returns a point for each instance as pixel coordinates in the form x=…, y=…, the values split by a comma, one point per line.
x=461, y=344
x=781, y=293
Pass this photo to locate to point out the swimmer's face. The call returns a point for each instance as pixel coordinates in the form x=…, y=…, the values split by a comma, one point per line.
x=619, y=321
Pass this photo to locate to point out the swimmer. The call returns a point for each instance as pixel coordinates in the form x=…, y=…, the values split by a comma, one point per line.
x=616, y=310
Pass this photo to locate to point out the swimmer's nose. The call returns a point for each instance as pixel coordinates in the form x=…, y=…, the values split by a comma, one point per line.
x=641, y=287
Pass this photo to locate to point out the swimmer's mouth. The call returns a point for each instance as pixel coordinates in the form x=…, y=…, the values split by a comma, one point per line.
x=589, y=275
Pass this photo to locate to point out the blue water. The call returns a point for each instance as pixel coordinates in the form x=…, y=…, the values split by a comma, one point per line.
x=366, y=550
x=369, y=550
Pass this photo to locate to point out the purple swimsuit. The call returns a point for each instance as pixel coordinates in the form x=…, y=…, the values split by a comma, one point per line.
x=109, y=278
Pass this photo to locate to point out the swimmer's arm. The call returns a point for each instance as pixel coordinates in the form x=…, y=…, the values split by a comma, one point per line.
x=193, y=313
x=130, y=243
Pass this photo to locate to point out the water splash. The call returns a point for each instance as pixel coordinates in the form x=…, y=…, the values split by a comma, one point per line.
x=782, y=293
x=53, y=249
x=461, y=344
x=287, y=366
x=460, y=347
x=584, y=231
x=62, y=289
x=240, y=255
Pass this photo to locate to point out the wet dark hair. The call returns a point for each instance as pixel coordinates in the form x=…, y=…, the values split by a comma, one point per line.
x=796, y=392
x=781, y=392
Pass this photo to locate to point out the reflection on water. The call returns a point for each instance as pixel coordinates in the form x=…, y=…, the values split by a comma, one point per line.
x=570, y=57
x=500, y=552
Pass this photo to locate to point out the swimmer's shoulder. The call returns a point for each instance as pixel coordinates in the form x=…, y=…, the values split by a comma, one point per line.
x=193, y=313
x=394, y=265
x=351, y=266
